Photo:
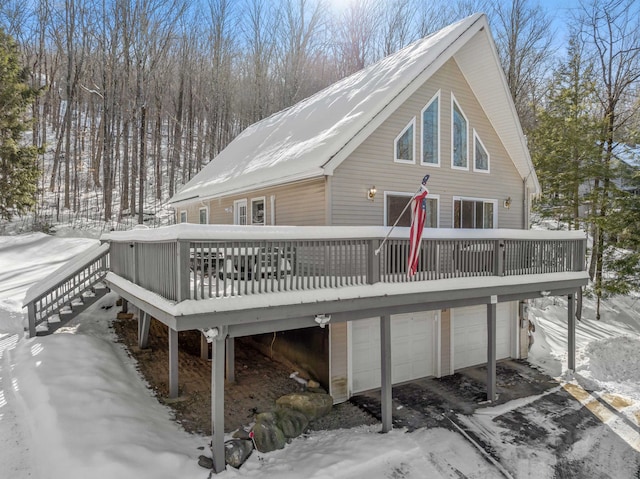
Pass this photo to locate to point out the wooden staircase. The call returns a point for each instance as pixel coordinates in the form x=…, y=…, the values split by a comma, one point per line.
x=66, y=292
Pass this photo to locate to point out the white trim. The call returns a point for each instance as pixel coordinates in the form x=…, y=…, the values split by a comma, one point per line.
x=437, y=334
x=434, y=98
x=452, y=342
x=412, y=123
x=349, y=358
x=476, y=137
x=206, y=210
x=470, y=198
x=272, y=209
x=264, y=211
x=186, y=216
x=455, y=102
x=408, y=195
x=236, y=205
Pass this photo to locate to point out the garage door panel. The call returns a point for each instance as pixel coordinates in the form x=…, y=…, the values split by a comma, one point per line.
x=412, y=349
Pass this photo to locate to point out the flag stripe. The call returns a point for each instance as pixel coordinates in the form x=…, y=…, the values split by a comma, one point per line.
x=418, y=218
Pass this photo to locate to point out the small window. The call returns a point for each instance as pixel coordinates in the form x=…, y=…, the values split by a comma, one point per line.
x=240, y=212
x=405, y=144
x=475, y=214
x=257, y=211
x=395, y=203
x=431, y=132
x=204, y=216
x=480, y=155
x=459, y=142
x=183, y=217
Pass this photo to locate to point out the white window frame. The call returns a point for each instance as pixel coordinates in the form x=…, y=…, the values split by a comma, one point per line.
x=186, y=216
x=412, y=123
x=469, y=198
x=409, y=195
x=455, y=102
x=476, y=137
x=236, y=211
x=434, y=98
x=264, y=210
x=206, y=210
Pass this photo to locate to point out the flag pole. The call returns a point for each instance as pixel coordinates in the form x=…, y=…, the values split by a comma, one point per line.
x=422, y=185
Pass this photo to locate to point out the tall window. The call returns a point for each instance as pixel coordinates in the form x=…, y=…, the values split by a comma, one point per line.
x=404, y=144
x=395, y=203
x=431, y=132
x=257, y=211
x=183, y=217
x=480, y=155
x=240, y=212
x=474, y=213
x=459, y=132
x=204, y=216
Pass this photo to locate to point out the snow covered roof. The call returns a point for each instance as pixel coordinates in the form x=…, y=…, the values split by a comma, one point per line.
x=310, y=139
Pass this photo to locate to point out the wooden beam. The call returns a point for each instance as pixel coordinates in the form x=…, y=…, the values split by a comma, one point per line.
x=217, y=403
x=231, y=361
x=31, y=312
x=385, y=366
x=571, y=332
x=173, y=363
x=491, y=351
x=204, y=347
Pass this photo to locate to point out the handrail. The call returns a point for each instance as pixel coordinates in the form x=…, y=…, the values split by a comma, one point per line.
x=206, y=262
x=65, y=284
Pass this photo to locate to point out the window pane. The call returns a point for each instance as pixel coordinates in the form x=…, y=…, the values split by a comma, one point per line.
x=457, y=214
x=257, y=212
x=488, y=215
x=203, y=217
x=432, y=213
x=468, y=209
x=479, y=215
x=459, y=138
x=395, y=205
x=430, y=133
x=183, y=217
x=482, y=157
x=404, y=145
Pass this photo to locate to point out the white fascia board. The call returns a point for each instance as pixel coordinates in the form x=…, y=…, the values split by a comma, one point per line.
x=395, y=103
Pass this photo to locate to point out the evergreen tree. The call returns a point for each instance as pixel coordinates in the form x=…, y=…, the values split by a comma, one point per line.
x=19, y=171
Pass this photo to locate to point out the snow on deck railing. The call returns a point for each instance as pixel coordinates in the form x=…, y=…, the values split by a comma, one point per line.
x=65, y=284
x=184, y=261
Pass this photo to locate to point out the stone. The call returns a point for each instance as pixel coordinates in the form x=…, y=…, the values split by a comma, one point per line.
x=266, y=433
x=311, y=384
x=312, y=405
x=206, y=462
x=237, y=451
x=291, y=422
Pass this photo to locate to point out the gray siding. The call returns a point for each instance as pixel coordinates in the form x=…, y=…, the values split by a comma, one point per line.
x=372, y=162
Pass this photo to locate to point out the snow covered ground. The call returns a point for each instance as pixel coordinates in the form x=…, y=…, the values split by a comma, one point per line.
x=73, y=406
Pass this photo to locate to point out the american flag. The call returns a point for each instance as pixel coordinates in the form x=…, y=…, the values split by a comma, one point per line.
x=418, y=217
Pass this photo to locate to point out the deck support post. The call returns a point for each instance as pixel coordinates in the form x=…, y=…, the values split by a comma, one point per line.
x=31, y=313
x=204, y=347
x=173, y=363
x=385, y=367
x=144, y=321
x=217, y=403
x=571, y=330
x=491, y=349
x=231, y=361
x=125, y=306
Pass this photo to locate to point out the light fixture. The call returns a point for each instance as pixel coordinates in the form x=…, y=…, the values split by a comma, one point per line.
x=371, y=193
x=507, y=203
x=322, y=319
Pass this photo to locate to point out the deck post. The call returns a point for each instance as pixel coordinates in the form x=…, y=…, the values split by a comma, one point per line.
x=173, y=363
x=182, y=269
x=385, y=366
x=491, y=349
x=373, y=262
x=31, y=313
x=204, y=347
x=144, y=321
x=217, y=403
x=231, y=361
x=571, y=327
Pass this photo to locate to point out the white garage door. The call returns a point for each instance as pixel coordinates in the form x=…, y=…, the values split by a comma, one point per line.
x=470, y=334
x=413, y=349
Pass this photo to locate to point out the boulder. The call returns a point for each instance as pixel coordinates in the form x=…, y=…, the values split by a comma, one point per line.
x=206, y=462
x=312, y=405
x=291, y=422
x=266, y=433
x=237, y=451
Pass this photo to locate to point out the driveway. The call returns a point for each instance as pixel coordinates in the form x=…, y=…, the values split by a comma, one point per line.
x=537, y=428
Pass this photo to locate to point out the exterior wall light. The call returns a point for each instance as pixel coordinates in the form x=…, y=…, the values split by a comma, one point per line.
x=507, y=203
x=371, y=193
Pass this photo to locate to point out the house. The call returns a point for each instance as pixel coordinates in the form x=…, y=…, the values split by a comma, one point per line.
x=353, y=154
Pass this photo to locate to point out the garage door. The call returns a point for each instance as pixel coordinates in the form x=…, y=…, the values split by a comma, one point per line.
x=470, y=334
x=413, y=349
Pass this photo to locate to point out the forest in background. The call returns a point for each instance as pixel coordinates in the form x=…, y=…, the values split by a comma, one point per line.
x=136, y=96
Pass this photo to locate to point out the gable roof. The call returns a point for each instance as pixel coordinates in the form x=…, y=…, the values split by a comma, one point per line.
x=311, y=138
